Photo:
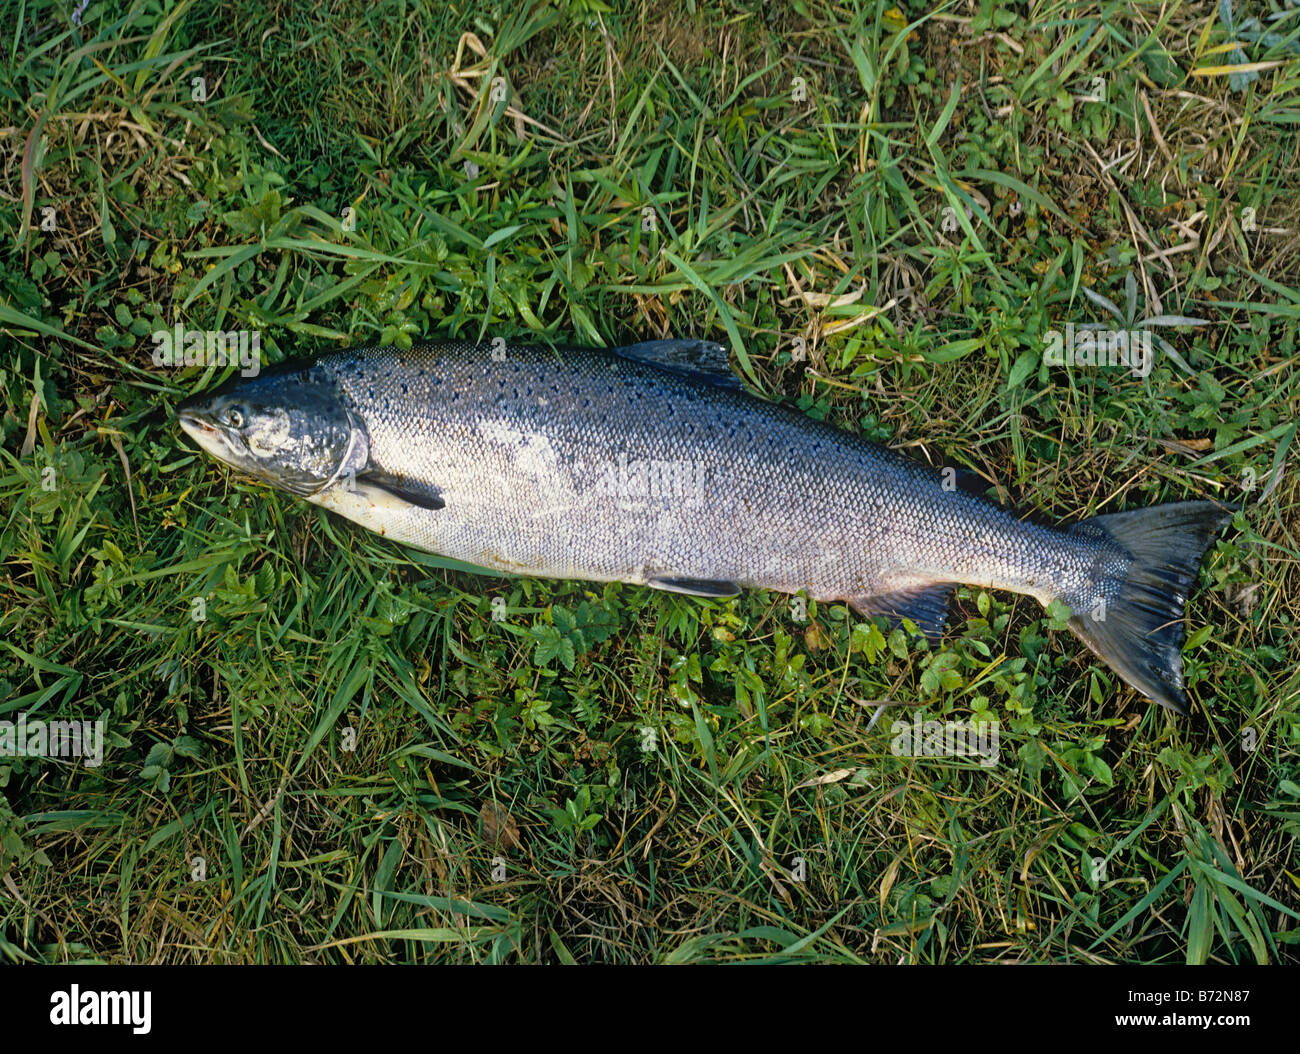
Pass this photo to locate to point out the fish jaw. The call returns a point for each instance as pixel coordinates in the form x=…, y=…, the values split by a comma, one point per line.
x=211, y=440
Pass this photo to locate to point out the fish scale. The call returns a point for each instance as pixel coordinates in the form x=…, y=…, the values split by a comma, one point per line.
x=522, y=445
x=650, y=464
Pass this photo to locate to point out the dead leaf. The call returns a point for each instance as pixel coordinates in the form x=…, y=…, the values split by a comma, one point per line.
x=814, y=638
x=29, y=443
x=499, y=827
x=829, y=777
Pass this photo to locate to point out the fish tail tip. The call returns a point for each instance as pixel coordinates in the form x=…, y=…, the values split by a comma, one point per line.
x=1135, y=622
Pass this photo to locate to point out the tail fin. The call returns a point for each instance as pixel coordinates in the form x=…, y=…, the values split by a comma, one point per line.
x=1139, y=633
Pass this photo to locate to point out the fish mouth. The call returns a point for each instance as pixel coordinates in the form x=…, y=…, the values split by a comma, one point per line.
x=208, y=436
x=197, y=428
x=193, y=425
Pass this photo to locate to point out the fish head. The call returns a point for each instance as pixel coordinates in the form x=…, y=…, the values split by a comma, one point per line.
x=288, y=427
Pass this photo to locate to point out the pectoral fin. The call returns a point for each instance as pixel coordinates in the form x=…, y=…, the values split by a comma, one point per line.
x=402, y=488
x=927, y=606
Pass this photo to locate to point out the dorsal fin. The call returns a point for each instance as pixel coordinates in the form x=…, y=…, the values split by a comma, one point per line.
x=702, y=359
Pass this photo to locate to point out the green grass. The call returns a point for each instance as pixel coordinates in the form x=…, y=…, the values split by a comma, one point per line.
x=350, y=759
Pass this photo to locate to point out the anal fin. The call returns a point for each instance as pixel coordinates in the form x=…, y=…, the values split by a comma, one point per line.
x=927, y=606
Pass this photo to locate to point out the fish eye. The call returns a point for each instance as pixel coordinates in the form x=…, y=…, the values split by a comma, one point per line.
x=233, y=417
